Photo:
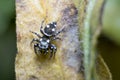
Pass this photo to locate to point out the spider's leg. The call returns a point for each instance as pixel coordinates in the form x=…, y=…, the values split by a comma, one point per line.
x=34, y=40
x=46, y=51
x=36, y=34
x=40, y=51
x=51, y=53
x=59, y=31
x=41, y=28
x=54, y=38
x=36, y=48
x=53, y=50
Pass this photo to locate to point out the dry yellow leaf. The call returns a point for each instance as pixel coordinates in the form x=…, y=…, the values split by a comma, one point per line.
x=67, y=62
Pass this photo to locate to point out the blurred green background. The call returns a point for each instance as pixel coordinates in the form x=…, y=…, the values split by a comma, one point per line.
x=109, y=41
x=7, y=39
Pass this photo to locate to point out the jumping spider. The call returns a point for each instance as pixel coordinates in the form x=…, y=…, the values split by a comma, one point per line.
x=43, y=43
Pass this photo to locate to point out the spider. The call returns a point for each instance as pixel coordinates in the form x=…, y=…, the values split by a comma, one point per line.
x=42, y=44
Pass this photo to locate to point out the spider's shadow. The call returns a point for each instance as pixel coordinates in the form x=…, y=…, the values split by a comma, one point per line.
x=43, y=58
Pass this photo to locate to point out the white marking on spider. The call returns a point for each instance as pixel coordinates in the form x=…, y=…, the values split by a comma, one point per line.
x=53, y=29
x=48, y=26
x=55, y=25
x=51, y=47
x=40, y=39
x=48, y=41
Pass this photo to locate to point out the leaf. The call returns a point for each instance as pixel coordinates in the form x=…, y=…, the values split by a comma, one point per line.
x=111, y=20
x=90, y=27
x=102, y=69
x=68, y=60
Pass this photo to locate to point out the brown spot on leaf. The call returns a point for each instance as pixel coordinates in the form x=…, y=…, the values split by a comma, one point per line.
x=33, y=78
x=18, y=37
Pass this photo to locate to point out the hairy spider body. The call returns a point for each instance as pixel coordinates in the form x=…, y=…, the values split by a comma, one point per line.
x=43, y=45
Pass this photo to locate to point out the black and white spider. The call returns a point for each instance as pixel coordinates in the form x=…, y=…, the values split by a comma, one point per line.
x=43, y=44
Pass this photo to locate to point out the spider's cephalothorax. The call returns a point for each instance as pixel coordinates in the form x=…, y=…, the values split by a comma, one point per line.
x=50, y=29
x=43, y=43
